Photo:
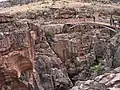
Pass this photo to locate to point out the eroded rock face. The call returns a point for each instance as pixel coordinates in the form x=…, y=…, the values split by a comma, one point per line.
x=107, y=81
x=115, y=49
x=10, y=3
x=15, y=53
x=23, y=44
x=56, y=54
x=50, y=69
x=81, y=46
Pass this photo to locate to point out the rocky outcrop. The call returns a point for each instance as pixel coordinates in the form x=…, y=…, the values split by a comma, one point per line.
x=9, y=3
x=26, y=54
x=50, y=68
x=16, y=53
x=4, y=18
x=107, y=81
x=80, y=48
x=54, y=49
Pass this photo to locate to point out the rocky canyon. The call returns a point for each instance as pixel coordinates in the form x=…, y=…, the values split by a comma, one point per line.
x=60, y=45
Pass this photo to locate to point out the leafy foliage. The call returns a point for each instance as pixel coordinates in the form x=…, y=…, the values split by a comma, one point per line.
x=97, y=68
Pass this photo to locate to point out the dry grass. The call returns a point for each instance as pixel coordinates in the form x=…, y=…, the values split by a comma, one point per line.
x=58, y=4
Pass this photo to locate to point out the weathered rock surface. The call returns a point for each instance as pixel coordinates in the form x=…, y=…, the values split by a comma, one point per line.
x=78, y=56
x=49, y=49
x=9, y=3
x=107, y=81
x=16, y=53
x=50, y=69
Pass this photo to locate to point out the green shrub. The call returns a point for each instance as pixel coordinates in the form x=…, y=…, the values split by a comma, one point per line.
x=48, y=34
x=97, y=68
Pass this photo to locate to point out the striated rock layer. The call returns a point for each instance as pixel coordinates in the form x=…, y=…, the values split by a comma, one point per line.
x=58, y=49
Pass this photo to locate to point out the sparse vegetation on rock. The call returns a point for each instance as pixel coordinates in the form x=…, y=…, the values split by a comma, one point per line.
x=59, y=45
